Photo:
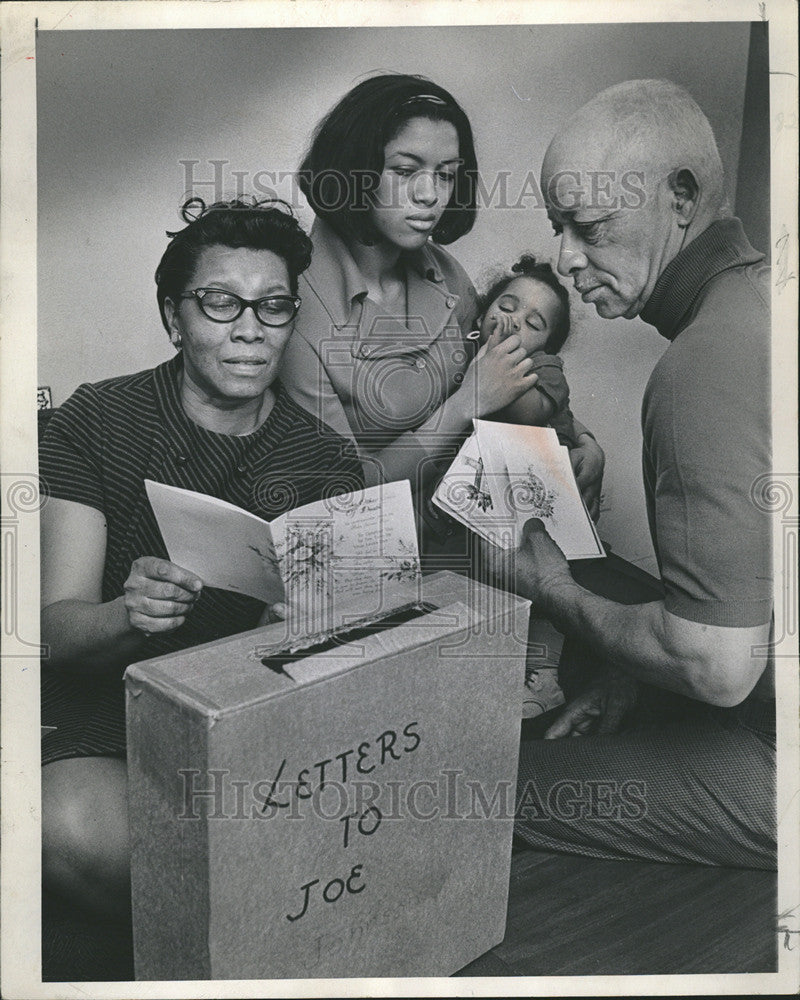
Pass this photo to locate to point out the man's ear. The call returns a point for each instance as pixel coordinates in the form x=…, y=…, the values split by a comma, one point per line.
x=685, y=195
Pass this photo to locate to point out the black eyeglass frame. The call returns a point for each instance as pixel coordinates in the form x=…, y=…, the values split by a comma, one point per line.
x=200, y=293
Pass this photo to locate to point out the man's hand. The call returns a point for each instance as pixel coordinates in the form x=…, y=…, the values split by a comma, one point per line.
x=600, y=709
x=588, y=461
x=540, y=565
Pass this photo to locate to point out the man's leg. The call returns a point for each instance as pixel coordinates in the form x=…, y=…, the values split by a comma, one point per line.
x=696, y=792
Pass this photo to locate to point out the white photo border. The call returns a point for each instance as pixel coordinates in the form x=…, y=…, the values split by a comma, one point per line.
x=20, y=956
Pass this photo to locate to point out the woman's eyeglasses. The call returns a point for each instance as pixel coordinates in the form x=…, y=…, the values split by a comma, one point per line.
x=225, y=307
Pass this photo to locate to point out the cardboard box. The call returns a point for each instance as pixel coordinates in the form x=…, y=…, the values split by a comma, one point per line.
x=348, y=813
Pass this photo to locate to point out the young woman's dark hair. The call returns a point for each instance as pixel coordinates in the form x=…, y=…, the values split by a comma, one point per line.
x=345, y=159
x=260, y=225
x=528, y=267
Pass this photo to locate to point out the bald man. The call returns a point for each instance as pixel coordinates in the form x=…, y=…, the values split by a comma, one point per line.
x=676, y=710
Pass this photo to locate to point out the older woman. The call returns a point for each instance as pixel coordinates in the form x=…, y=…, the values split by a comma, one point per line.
x=211, y=419
x=379, y=352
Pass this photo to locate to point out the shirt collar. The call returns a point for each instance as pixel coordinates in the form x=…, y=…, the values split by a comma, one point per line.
x=424, y=263
x=722, y=246
x=182, y=429
x=333, y=268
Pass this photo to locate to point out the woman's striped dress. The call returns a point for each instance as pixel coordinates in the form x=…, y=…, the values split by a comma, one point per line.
x=99, y=448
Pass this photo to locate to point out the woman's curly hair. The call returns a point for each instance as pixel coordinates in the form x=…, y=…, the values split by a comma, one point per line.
x=528, y=267
x=268, y=224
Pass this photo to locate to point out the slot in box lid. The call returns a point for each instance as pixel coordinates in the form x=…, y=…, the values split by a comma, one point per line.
x=229, y=675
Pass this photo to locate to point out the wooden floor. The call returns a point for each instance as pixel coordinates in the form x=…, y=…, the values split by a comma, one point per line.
x=566, y=916
x=570, y=915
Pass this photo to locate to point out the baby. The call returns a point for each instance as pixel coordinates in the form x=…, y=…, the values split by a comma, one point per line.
x=533, y=303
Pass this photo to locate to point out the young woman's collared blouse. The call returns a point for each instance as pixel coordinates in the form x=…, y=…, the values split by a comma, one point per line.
x=372, y=377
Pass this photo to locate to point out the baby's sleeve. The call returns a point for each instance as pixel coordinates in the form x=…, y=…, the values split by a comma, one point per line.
x=553, y=384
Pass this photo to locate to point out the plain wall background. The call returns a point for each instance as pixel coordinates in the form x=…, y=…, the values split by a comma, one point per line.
x=118, y=112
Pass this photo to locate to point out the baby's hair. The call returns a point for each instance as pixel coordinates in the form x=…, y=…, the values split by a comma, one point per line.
x=528, y=267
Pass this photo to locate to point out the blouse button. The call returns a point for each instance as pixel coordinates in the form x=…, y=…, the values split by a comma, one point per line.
x=241, y=467
x=450, y=302
x=420, y=363
x=181, y=459
x=366, y=350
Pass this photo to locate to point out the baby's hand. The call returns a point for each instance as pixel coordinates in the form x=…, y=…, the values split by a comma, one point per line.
x=495, y=330
x=499, y=374
x=502, y=327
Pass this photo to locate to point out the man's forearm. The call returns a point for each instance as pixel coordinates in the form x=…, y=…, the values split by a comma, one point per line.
x=718, y=664
x=630, y=637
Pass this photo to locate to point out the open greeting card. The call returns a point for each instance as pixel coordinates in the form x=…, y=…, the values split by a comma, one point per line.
x=505, y=474
x=334, y=562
